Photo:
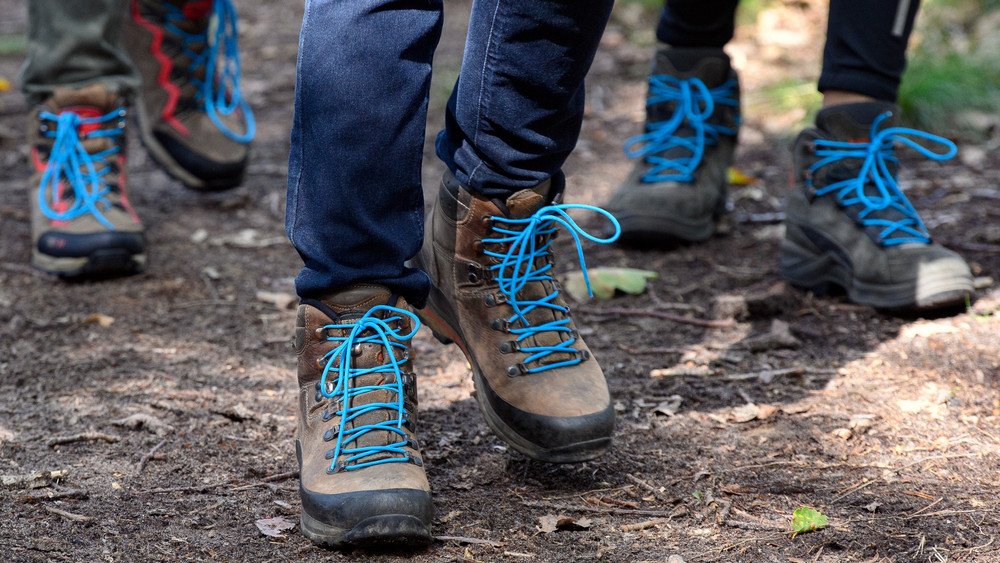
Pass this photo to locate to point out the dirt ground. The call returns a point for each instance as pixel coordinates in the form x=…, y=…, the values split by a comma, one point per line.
x=174, y=389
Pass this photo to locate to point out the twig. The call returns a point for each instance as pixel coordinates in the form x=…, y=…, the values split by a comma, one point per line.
x=644, y=525
x=766, y=375
x=654, y=350
x=933, y=457
x=618, y=312
x=756, y=526
x=68, y=515
x=645, y=485
x=55, y=495
x=853, y=489
x=269, y=479
x=188, y=489
x=477, y=541
x=145, y=459
x=82, y=437
x=570, y=507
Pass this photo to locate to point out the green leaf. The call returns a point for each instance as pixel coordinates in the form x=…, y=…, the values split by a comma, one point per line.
x=605, y=281
x=806, y=519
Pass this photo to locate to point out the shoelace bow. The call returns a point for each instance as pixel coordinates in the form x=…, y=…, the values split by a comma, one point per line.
x=876, y=155
x=368, y=329
x=70, y=163
x=220, y=91
x=517, y=267
x=695, y=103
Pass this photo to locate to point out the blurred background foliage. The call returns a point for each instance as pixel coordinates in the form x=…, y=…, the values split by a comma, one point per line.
x=951, y=86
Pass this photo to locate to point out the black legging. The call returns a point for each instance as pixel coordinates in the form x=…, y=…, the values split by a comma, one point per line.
x=865, y=45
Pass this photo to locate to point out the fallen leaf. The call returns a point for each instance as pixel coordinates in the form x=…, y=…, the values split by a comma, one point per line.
x=605, y=281
x=806, y=519
x=551, y=523
x=737, y=178
x=274, y=526
x=745, y=413
x=103, y=320
x=5, y=85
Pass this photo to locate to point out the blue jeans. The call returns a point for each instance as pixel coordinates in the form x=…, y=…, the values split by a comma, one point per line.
x=355, y=203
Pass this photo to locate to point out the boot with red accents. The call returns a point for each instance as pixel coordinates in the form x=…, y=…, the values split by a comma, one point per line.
x=192, y=117
x=82, y=225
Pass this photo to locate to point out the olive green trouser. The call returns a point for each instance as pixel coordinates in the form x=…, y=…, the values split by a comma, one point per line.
x=73, y=43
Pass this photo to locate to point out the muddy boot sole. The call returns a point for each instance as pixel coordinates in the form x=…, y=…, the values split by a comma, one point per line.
x=104, y=263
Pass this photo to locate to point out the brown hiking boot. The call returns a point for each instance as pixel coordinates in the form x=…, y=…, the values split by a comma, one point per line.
x=362, y=477
x=192, y=118
x=537, y=383
x=677, y=188
x=81, y=222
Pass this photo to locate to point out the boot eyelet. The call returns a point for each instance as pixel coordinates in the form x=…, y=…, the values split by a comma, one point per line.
x=487, y=220
x=321, y=333
x=319, y=396
x=500, y=325
x=328, y=435
x=329, y=454
x=515, y=370
x=320, y=362
x=356, y=350
x=509, y=347
x=473, y=278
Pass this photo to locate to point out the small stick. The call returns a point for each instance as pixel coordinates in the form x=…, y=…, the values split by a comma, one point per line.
x=269, y=479
x=617, y=312
x=470, y=540
x=68, y=515
x=189, y=489
x=560, y=506
x=55, y=495
x=82, y=437
x=645, y=485
x=644, y=525
x=145, y=459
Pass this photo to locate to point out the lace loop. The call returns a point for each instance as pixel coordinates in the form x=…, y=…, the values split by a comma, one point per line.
x=876, y=154
x=527, y=240
x=219, y=92
x=368, y=329
x=694, y=104
x=70, y=163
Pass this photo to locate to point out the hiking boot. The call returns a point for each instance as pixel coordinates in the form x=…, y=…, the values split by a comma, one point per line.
x=849, y=225
x=81, y=222
x=362, y=476
x=192, y=118
x=536, y=381
x=677, y=187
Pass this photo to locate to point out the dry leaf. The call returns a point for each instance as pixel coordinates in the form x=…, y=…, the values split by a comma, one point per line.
x=745, y=413
x=103, y=320
x=274, y=526
x=550, y=523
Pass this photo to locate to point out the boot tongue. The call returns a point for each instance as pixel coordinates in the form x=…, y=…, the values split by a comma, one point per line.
x=709, y=64
x=354, y=300
x=525, y=203
x=95, y=95
x=853, y=122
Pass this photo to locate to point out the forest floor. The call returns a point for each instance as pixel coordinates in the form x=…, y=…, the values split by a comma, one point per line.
x=152, y=418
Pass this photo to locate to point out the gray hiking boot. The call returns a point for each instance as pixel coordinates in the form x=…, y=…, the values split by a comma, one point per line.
x=362, y=478
x=678, y=185
x=81, y=222
x=849, y=225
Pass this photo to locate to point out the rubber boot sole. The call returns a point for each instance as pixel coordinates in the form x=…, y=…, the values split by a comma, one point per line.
x=444, y=333
x=103, y=263
x=818, y=272
x=166, y=162
x=386, y=530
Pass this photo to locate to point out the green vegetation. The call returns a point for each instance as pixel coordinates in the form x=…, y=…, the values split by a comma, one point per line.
x=954, y=68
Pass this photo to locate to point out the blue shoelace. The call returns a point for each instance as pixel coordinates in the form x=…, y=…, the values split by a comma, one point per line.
x=518, y=267
x=695, y=103
x=220, y=91
x=876, y=155
x=69, y=163
x=368, y=329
